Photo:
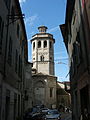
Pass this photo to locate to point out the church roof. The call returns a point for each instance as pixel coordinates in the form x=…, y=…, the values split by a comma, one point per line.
x=43, y=74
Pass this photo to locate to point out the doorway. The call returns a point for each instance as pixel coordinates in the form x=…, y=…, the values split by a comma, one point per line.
x=84, y=97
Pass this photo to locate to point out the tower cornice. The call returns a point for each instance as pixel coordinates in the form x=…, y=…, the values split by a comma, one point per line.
x=42, y=36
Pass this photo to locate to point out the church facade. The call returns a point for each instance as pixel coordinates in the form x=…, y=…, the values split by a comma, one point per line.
x=44, y=80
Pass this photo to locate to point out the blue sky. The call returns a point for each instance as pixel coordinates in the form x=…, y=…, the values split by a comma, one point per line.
x=50, y=13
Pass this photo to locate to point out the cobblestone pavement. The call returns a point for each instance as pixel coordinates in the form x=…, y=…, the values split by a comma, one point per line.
x=66, y=116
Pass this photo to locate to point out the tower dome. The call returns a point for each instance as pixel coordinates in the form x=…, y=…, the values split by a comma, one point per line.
x=42, y=29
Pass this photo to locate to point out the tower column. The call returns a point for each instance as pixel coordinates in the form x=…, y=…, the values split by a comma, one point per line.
x=42, y=44
x=47, y=43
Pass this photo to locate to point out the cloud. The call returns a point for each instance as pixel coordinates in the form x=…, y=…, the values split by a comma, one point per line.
x=53, y=29
x=22, y=1
x=30, y=20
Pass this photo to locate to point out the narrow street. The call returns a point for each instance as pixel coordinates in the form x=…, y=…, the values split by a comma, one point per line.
x=44, y=59
x=66, y=116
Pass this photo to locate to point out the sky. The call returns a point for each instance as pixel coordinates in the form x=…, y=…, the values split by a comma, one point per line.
x=50, y=13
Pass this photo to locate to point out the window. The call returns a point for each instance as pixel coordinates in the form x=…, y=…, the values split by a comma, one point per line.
x=16, y=60
x=72, y=68
x=7, y=105
x=20, y=67
x=0, y=23
x=45, y=44
x=50, y=44
x=18, y=30
x=1, y=33
x=7, y=2
x=12, y=14
x=39, y=44
x=42, y=58
x=33, y=45
x=21, y=41
x=10, y=52
x=51, y=91
x=15, y=106
x=50, y=58
x=77, y=51
x=19, y=98
x=79, y=46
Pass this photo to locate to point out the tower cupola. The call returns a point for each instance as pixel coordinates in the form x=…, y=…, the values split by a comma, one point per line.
x=42, y=29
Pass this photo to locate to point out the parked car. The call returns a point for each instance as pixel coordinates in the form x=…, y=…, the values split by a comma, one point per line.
x=29, y=114
x=53, y=115
x=38, y=116
x=44, y=110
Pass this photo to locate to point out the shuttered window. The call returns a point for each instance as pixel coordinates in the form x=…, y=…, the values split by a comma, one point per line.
x=10, y=52
x=1, y=33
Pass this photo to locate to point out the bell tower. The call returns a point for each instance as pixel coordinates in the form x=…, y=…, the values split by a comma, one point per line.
x=43, y=51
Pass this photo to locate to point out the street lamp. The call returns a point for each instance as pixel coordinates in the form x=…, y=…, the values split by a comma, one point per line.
x=62, y=63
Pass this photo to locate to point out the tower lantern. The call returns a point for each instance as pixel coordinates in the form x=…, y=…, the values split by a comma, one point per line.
x=42, y=29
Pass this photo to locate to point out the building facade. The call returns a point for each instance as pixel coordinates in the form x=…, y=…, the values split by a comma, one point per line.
x=77, y=40
x=13, y=55
x=44, y=90
x=28, y=87
x=44, y=81
x=63, y=96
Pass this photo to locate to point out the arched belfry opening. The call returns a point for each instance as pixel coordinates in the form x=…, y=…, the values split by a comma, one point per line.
x=45, y=44
x=39, y=44
x=41, y=58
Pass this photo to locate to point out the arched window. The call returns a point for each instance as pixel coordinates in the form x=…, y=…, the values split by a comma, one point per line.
x=10, y=52
x=33, y=45
x=51, y=92
x=45, y=44
x=50, y=44
x=39, y=44
x=1, y=33
x=42, y=58
x=12, y=13
x=16, y=60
